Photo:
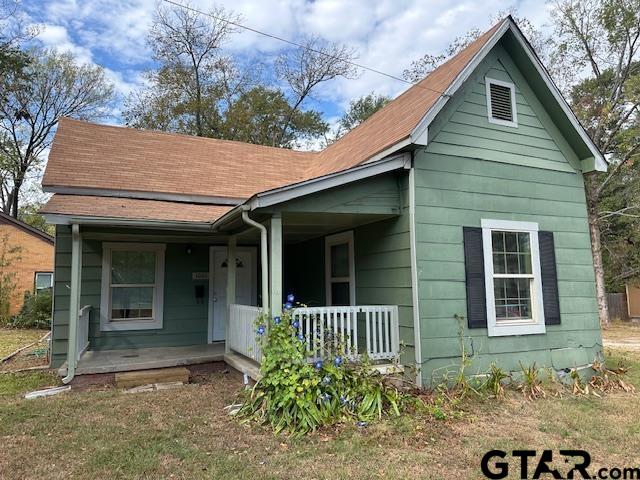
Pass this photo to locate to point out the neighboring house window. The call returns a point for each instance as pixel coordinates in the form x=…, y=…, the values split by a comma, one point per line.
x=513, y=279
x=44, y=281
x=340, y=269
x=132, y=286
x=501, y=102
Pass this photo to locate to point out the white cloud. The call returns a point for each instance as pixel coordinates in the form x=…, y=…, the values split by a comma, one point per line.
x=388, y=34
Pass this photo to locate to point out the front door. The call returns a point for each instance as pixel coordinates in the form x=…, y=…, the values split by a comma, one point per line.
x=246, y=288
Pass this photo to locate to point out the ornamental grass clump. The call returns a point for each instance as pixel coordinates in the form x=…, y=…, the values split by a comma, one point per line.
x=300, y=391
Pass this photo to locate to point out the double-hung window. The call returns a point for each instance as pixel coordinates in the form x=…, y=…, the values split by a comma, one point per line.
x=43, y=281
x=512, y=278
x=132, y=286
x=340, y=269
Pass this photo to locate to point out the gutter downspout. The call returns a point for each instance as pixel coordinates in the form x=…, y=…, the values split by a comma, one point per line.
x=264, y=259
x=414, y=274
x=74, y=303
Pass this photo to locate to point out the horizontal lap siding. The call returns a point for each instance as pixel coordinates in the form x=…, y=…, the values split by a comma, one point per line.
x=383, y=269
x=471, y=170
x=185, y=320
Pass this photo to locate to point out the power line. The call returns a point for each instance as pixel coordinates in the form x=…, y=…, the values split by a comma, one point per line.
x=299, y=45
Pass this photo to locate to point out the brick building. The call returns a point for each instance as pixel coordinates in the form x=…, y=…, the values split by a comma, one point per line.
x=34, y=268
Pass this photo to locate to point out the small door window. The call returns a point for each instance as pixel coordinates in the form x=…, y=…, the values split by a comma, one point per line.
x=340, y=268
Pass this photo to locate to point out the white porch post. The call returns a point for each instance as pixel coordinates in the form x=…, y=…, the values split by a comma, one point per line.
x=231, y=286
x=74, y=301
x=275, y=263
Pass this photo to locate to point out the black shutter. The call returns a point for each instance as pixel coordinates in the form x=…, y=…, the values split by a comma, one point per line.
x=474, y=268
x=549, y=278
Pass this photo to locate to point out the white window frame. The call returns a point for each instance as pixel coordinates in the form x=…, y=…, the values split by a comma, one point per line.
x=156, y=321
x=35, y=285
x=488, y=82
x=338, y=239
x=514, y=327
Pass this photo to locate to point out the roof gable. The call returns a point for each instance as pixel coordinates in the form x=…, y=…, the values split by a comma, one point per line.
x=25, y=227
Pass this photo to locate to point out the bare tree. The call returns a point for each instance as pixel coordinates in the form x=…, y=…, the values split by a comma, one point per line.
x=57, y=87
x=599, y=42
x=315, y=62
x=192, y=74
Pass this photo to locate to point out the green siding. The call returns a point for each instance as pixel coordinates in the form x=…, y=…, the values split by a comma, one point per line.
x=382, y=255
x=185, y=320
x=471, y=170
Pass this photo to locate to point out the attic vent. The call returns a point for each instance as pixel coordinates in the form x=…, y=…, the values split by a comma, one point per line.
x=501, y=102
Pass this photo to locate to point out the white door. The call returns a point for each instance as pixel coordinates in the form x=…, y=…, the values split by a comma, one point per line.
x=246, y=288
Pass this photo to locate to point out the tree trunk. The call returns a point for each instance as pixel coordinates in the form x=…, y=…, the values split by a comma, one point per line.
x=596, y=252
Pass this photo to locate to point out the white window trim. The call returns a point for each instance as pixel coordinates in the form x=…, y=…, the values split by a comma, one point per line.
x=337, y=239
x=516, y=327
x=106, y=325
x=488, y=82
x=36, y=280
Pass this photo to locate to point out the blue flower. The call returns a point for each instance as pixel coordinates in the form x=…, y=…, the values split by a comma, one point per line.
x=277, y=320
x=326, y=397
x=318, y=364
x=343, y=400
x=301, y=337
x=337, y=361
x=326, y=380
x=261, y=330
x=288, y=306
x=290, y=298
x=296, y=324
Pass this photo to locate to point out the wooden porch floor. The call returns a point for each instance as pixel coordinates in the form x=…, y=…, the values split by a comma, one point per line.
x=110, y=361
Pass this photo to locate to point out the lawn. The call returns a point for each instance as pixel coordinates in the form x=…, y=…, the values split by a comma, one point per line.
x=12, y=339
x=185, y=433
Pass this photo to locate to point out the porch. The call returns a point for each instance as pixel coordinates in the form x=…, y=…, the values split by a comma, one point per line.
x=160, y=298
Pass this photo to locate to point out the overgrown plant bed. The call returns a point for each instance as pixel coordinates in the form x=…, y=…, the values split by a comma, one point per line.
x=298, y=396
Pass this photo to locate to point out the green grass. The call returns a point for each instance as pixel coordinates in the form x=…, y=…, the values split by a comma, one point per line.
x=20, y=383
x=186, y=434
x=12, y=339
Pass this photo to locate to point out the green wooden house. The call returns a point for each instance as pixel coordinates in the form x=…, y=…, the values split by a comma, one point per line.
x=454, y=216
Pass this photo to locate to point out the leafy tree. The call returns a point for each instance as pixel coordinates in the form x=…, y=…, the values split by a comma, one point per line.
x=29, y=214
x=57, y=87
x=598, y=43
x=256, y=117
x=361, y=109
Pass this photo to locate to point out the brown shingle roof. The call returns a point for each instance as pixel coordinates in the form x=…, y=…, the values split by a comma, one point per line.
x=89, y=156
x=132, y=209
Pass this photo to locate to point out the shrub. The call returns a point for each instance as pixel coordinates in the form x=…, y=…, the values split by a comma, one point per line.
x=36, y=311
x=298, y=396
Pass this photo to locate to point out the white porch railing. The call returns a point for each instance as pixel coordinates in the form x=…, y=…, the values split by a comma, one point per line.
x=352, y=331
x=82, y=334
x=242, y=331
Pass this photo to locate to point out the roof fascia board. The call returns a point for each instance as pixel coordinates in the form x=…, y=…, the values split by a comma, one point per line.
x=25, y=227
x=273, y=197
x=419, y=133
x=60, y=219
x=165, y=197
x=315, y=185
x=389, y=151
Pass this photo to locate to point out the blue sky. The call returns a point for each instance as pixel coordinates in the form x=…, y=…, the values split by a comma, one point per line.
x=388, y=34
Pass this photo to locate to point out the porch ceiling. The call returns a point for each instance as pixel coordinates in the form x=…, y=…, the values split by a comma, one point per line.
x=299, y=227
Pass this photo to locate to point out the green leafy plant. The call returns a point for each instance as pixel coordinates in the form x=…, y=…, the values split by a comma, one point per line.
x=300, y=391
x=495, y=381
x=531, y=385
x=36, y=311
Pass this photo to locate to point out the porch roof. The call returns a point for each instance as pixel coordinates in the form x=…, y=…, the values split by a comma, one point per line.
x=86, y=206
